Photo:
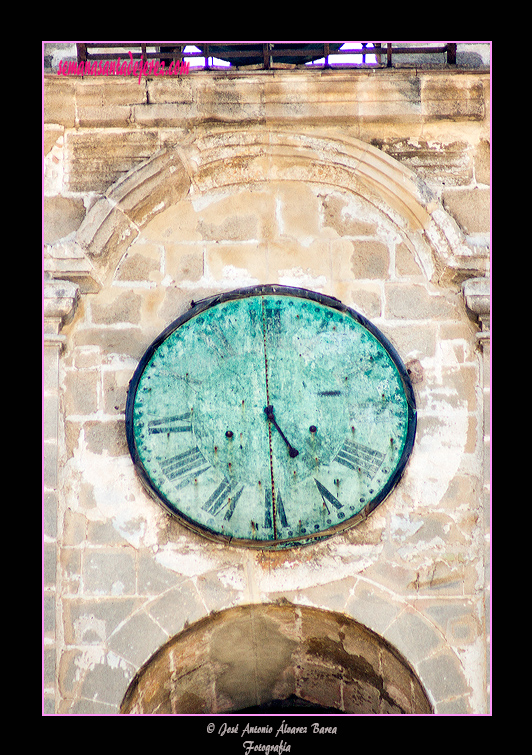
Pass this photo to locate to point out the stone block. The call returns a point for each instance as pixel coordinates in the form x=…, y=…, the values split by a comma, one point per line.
x=219, y=590
x=107, y=233
x=372, y=607
x=48, y=607
x=49, y=564
x=443, y=675
x=137, y=639
x=452, y=98
x=318, y=686
x=70, y=570
x=151, y=187
x=50, y=457
x=108, y=437
x=59, y=104
x=109, y=572
x=292, y=259
x=470, y=208
x=235, y=227
x=115, y=385
x=51, y=415
x=405, y=262
x=436, y=162
x=370, y=260
x=363, y=297
x=51, y=134
x=154, y=579
x=50, y=367
x=61, y=216
x=337, y=215
x=413, y=636
x=49, y=668
x=419, y=342
x=297, y=211
x=93, y=92
x=482, y=162
x=50, y=503
x=238, y=261
x=360, y=698
x=127, y=342
x=416, y=302
x=87, y=168
x=81, y=394
x=60, y=301
x=74, y=525
x=395, y=98
x=174, y=225
x=107, y=682
x=185, y=262
x=170, y=90
x=90, y=621
x=458, y=620
x=140, y=263
x=107, y=101
x=177, y=608
x=342, y=256
x=112, y=306
x=103, y=533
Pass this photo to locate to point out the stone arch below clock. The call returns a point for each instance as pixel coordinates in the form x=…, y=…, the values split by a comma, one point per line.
x=275, y=658
x=206, y=164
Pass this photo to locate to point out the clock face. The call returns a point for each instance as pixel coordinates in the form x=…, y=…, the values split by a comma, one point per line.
x=270, y=417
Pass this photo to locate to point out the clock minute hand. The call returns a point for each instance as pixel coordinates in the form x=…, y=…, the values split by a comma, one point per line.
x=291, y=450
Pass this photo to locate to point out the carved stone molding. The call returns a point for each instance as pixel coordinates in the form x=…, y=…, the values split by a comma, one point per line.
x=60, y=299
x=477, y=296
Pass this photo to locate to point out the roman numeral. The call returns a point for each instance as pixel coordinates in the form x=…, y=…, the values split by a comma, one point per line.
x=180, y=423
x=272, y=317
x=185, y=467
x=326, y=495
x=268, y=509
x=217, y=339
x=279, y=507
x=224, y=495
x=360, y=458
x=279, y=510
x=271, y=321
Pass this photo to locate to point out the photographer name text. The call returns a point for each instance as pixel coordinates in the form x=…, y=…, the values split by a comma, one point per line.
x=250, y=746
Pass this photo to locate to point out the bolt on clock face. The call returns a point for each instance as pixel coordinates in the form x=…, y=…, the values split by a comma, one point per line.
x=270, y=417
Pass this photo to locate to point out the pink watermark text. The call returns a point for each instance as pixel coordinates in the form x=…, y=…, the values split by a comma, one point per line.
x=121, y=67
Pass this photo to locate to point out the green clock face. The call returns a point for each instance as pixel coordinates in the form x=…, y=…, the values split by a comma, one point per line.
x=270, y=417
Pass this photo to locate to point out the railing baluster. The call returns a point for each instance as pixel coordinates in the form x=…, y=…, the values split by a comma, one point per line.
x=266, y=55
x=451, y=53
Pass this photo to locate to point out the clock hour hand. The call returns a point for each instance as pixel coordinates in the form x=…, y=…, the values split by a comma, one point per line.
x=291, y=450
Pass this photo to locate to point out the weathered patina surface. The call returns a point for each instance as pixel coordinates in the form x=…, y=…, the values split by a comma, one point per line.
x=272, y=415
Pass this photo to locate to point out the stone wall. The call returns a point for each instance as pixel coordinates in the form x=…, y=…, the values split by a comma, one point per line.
x=371, y=187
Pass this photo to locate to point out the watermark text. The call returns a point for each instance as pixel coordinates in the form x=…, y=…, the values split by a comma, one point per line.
x=121, y=67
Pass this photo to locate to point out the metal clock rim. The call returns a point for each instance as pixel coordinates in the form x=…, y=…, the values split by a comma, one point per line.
x=203, y=305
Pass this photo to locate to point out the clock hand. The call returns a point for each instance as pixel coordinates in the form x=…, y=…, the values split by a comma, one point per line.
x=291, y=450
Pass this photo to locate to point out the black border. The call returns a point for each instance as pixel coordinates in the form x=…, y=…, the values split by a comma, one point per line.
x=263, y=290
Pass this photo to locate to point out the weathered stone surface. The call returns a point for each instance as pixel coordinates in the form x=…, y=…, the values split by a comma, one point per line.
x=123, y=149
x=62, y=216
x=470, y=207
x=272, y=652
x=209, y=183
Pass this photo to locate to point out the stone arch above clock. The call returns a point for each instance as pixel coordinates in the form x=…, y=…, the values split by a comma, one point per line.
x=238, y=160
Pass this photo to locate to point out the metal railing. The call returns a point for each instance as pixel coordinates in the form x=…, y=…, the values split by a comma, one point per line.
x=264, y=55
